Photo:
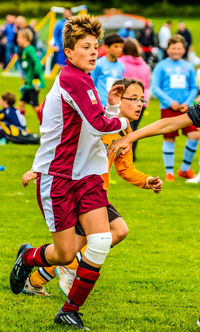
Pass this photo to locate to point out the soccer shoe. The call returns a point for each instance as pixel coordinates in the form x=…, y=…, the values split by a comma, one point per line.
x=198, y=322
x=196, y=179
x=71, y=318
x=169, y=177
x=189, y=174
x=31, y=290
x=19, y=271
x=66, y=278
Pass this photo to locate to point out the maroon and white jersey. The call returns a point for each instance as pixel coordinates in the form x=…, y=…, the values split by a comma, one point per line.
x=73, y=121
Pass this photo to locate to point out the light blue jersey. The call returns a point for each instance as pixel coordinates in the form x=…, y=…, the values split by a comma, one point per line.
x=104, y=75
x=174, y=81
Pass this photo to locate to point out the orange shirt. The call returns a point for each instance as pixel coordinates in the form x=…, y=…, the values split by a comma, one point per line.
x=124, y=165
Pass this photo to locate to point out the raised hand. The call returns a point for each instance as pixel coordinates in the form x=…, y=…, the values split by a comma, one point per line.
x=114, y=95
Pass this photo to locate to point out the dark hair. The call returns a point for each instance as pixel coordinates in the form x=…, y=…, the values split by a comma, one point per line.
x=176, y=39
x=113, y=39
x=9, y=97
x=131, y=47
x=127, y=82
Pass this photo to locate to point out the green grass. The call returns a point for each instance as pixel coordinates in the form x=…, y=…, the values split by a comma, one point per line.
x=150, y=282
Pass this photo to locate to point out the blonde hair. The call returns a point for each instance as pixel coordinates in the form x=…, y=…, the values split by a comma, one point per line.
x=26, y=34
x=79, y=27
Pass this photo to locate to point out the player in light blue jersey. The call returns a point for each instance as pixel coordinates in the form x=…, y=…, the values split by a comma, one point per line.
x=108, y=68
x=174, y=84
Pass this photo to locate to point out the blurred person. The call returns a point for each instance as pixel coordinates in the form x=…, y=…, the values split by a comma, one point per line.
x=136, y=67
x=163, y=36
x=183, y=31
x=174, y=84
x=146, y=38
x=13, y=123
x=57, y=42
x=108, y=68
x=9, y=34
x=34, y=79
x=127, y=30
x=9, y=114
x=2, y=47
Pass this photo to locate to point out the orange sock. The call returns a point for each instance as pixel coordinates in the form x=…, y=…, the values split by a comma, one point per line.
x=43, y=275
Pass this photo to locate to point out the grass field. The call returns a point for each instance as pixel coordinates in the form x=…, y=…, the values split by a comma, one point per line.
x=150, y=282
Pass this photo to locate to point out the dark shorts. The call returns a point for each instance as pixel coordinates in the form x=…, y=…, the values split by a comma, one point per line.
x=112, y=215
x=168, y=113
x=62, y=200
x=30, y=97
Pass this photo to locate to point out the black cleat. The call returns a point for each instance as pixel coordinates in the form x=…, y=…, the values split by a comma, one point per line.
x=19, y=271
x=71, y=318
x=198, y=322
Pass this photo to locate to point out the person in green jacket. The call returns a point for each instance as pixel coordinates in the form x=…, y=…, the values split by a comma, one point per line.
x=34, y=79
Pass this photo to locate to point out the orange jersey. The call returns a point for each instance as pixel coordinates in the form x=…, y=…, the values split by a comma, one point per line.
x=124, y=165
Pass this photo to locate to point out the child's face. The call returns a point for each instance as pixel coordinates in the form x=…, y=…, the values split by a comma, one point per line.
x=84, y=54
x=176, y=51
x=132, y=108
x=3, y=103
x=115, y=50
x=20, y=40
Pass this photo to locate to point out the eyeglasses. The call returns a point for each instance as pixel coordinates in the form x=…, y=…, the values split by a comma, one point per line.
x=135, y=100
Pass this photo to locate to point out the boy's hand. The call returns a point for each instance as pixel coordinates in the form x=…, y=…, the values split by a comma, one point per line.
x=183, y=108
x=27, y=177
x=120, y=144
x=175, y=106
x=114, y=95
x=155, y=184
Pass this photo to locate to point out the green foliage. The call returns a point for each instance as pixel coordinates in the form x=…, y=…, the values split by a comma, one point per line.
x=150, y=282
x=39, y=9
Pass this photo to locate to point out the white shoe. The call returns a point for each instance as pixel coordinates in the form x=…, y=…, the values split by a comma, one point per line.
x=31, y=290
x=196, y=179
x=66, y=278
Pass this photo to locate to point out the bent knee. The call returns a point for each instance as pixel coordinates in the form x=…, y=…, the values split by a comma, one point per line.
x=120, y=234
x=194, y=135
x=66, y=258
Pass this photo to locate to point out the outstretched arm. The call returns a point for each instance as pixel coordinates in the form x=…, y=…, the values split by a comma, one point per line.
x=159, y=127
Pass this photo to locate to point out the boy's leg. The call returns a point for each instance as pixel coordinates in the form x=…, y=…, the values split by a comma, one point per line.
x=168, y=156
x=189, y=152
x=119, y=231
x=96, y=227
x=61, y=252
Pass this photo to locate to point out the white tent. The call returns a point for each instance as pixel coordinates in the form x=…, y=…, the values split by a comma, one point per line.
x=117, y=20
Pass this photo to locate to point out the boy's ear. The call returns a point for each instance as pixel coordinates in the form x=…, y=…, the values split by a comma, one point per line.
x=68, y=52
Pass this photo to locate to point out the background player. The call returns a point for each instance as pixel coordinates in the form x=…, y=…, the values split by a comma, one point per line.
x=174, y=84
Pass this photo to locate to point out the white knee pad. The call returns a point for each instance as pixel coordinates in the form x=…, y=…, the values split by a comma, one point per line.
x=98, y=246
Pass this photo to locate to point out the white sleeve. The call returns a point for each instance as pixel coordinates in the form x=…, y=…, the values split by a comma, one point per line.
x=112, y=111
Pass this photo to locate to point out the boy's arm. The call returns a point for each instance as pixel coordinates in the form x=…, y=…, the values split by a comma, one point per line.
x=87, y=104
x=127, y=171
x=159, y=127
x=193, y=87
x=157, y=77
